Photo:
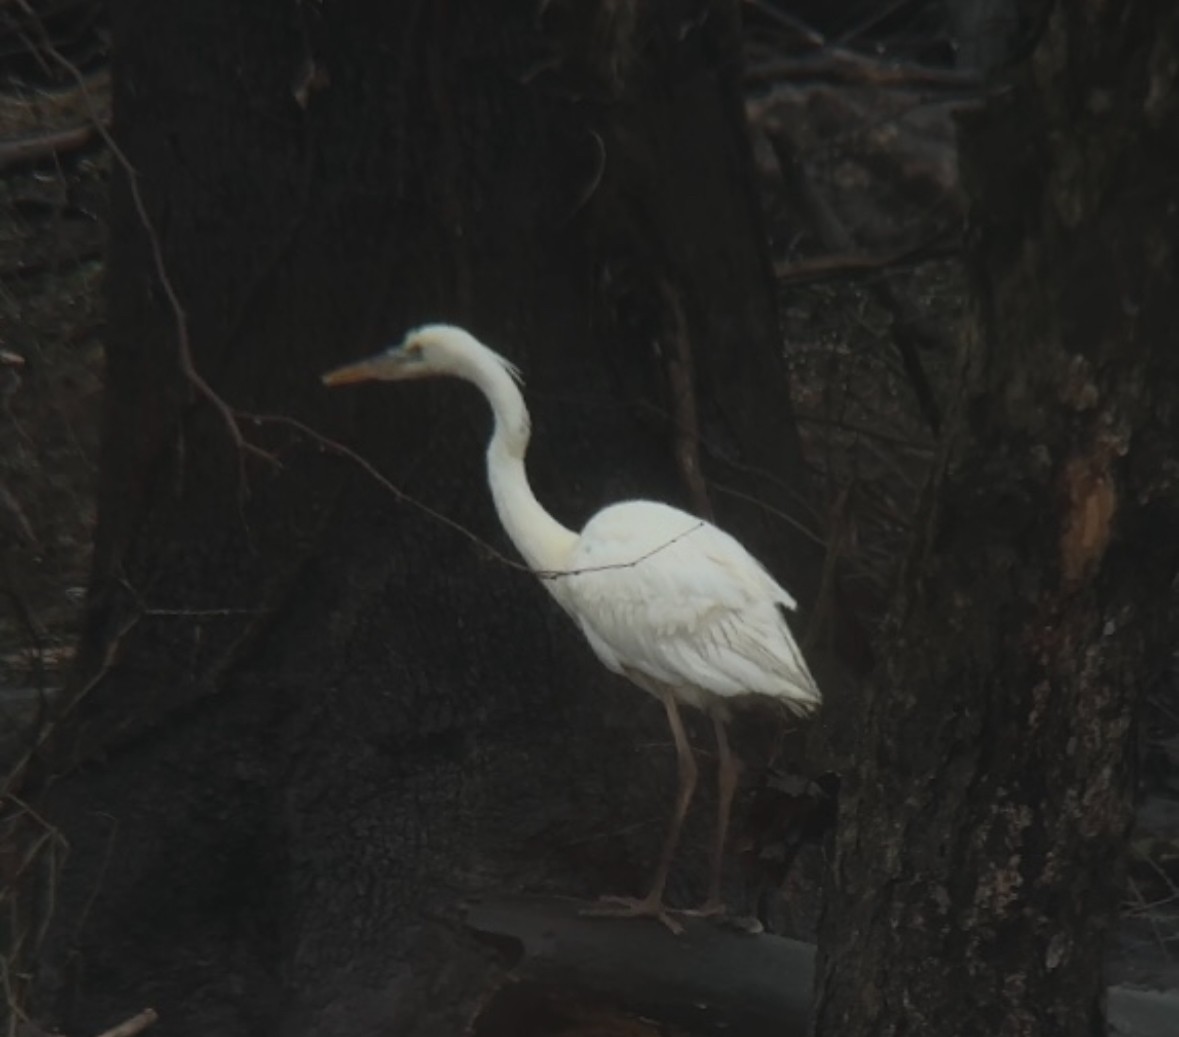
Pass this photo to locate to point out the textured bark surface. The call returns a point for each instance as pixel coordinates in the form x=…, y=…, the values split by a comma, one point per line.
x=977, y=865
x=311, y=719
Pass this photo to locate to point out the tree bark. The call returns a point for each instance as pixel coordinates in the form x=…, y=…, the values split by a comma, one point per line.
x=979, y=853
x=310, y=718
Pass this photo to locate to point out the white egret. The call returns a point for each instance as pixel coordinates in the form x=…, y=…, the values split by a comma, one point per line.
x=663, y=597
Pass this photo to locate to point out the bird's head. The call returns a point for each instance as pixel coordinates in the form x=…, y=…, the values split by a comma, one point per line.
x=430, y=351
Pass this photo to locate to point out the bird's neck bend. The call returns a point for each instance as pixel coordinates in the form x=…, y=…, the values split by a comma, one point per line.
x=544, y=543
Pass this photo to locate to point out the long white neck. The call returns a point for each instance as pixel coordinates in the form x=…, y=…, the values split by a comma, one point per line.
x=540, y=538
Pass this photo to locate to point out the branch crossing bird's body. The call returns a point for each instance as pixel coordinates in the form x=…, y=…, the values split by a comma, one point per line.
x=663, y=597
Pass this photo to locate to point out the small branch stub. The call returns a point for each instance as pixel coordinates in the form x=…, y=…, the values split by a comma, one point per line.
x=135, y=1025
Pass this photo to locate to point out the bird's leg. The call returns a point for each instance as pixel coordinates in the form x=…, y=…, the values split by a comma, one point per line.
x=652, y=904
x=687, y=771
x=728, y=772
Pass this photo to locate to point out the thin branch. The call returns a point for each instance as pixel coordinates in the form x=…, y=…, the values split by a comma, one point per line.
x=16, y=870
x=1154, y=866
x=874, y=18
x=1151, y=920
x=16, y=771
x=180, y=316
x=681, y=376
x=20, y=150
x=133, y=1026
x=594, y=182
x=837, y=65
x=809, y=36
x=551, y=574
x=332, y=446
x=790, y=520
x=826, y=268
x=203, y=613
x=722, y=456
x=917, y=446
x=27, y=618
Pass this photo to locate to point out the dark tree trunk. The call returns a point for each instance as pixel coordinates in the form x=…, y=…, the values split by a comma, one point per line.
x=312, y=719
x=977, y=863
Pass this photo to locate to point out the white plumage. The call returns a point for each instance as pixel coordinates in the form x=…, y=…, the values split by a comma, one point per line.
x=663, y=597
x=662, y=593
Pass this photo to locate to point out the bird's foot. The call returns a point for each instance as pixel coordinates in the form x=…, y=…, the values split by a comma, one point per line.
x=715, y=908
x=633, y=907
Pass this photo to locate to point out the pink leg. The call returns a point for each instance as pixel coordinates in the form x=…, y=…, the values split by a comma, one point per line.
x=728, y=772
x=652, y=905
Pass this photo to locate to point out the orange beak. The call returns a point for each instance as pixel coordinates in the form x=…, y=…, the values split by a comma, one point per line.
x=350, y=374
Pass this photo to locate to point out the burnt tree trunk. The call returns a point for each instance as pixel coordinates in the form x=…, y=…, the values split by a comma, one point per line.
x=311, y=719
x=978, y=858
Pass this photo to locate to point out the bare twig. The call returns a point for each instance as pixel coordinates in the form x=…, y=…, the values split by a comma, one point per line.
x=16, y=151
x=723, y=457
x=917, y=446
x=135, y=1025
x=595, y=180
x=1154, y=866
x=20, y=853
x=201, y=613
x=790, y=520
x=837, y=65
x=26, y=616
x=875, y=17
x=681, y=376
x=16, y=772
x=557, y=574
x=826, y=268
x=332, y=446
x=1151, y=919
x=180, y=316
x=79, y=922
x=48, y=832
x=811, y=37
x=335, y=447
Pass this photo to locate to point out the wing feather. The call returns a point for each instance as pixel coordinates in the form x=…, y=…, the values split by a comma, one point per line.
x=664, y=594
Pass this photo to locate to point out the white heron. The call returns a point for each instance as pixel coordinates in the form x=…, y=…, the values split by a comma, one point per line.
x=664, y=598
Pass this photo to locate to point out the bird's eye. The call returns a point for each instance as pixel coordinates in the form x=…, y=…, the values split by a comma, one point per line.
x=414, y=351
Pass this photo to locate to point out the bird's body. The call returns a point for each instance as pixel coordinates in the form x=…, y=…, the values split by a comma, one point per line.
x=663, y=597
x=662, y=594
